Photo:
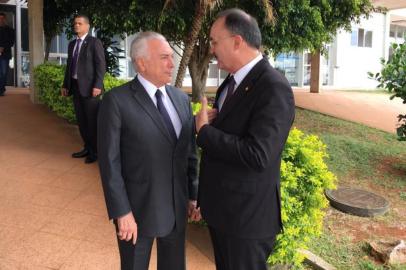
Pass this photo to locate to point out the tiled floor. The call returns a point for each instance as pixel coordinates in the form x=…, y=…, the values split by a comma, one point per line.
x=52, y=210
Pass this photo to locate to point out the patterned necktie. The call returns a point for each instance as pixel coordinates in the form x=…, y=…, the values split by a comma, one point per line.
x=230, y=89
x=165, y=115
x=75, y=57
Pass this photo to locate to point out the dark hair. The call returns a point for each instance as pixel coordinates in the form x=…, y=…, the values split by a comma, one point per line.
x=3, y=14
x=86, y=18
x=238, y=22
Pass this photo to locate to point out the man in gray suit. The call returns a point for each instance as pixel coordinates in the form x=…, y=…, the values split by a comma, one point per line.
x=147, y=159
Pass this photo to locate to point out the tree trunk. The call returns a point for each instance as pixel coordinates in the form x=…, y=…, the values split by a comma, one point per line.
x=198, y=67
x=201, y=7
x=47, y=48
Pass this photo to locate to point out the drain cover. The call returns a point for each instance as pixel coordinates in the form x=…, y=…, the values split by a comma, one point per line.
x=357, y=202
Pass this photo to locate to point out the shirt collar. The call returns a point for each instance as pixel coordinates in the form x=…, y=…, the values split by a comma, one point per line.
x=242, y=72
x=151, y=88
x=83, y=37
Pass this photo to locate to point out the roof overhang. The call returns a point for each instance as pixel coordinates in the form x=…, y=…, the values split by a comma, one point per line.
x=398, y=20
x=389, y=4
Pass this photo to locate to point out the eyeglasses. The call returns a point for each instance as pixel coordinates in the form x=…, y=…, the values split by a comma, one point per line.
x=214, y=42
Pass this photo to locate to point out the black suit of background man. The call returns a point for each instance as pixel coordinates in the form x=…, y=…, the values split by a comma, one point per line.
x=88, y=84
x=7, y=37
x=239, y=179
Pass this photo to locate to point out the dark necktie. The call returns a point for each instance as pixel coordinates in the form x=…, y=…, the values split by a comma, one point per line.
x=75, y=57
x=165, y=115
x=230, y=89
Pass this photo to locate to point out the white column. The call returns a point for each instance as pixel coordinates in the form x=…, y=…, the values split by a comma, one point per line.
x=386, y=38
x=300, y=69
x=36, y=40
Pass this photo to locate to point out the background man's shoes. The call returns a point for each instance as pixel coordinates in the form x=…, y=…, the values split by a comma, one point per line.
x=90, y=159
x=80, y=154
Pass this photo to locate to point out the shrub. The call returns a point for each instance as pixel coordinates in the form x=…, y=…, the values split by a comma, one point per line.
x=393, y=78
x=49, y=79
x=304, y=178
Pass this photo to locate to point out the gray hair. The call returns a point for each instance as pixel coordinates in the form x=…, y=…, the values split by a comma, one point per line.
x=139, y=44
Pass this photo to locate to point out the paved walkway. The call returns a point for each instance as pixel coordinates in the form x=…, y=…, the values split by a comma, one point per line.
x=52, y=210
x=374, y=110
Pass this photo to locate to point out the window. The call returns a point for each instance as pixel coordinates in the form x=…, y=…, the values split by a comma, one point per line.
x=287, y=64
x=392, y=31
x=361, y=38
x=63, y=43
x=401, y=32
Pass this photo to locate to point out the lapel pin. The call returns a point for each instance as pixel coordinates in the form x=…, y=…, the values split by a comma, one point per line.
x=247, y=89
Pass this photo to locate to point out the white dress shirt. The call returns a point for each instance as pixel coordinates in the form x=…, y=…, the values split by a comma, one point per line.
x=75, y=74
x=238, y=77
x=170, y=108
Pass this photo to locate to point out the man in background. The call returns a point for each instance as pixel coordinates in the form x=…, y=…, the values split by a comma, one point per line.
x=6, y=42
x=84, y=74
x=240, y=167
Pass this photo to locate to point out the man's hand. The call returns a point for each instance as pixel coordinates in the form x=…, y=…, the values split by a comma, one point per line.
x=212, y=113
x=202, y=117
x=193, y=212
x=96, y=92
x=64, y=92
x=127, y=228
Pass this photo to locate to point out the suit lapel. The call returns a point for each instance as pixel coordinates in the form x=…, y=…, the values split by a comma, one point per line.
x=242, y=90
x=143, y=99
x=219, y=91
x=82, y=51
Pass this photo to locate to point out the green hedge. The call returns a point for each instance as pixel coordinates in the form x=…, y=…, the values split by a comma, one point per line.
x=48, y=79
x=304, y=174
x=304, y=178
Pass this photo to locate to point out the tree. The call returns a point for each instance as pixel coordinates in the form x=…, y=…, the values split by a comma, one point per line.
x=54, y=21
x=201, y=9
x=297, y=25
x=393, y=78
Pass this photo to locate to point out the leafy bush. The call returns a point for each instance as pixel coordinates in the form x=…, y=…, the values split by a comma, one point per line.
x=393, y=78
x=304, y=177
x=49, y=79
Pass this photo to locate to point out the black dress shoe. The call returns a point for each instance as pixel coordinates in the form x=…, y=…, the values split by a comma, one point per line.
x=80, y=154
x=90, y=159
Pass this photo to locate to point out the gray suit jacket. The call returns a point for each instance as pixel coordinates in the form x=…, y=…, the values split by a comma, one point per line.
x=142, y=170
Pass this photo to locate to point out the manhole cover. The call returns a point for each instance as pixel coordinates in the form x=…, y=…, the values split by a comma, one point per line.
x=357, y=202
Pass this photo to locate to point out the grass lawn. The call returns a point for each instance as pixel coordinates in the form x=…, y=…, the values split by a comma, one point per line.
x=366, y=158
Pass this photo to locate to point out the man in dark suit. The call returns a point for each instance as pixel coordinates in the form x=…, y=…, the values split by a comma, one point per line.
x=84, y=74
x=6, y=42
x=147, y=159
x=240, y=168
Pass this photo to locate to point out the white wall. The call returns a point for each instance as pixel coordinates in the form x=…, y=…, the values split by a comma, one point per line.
x=350, y=64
